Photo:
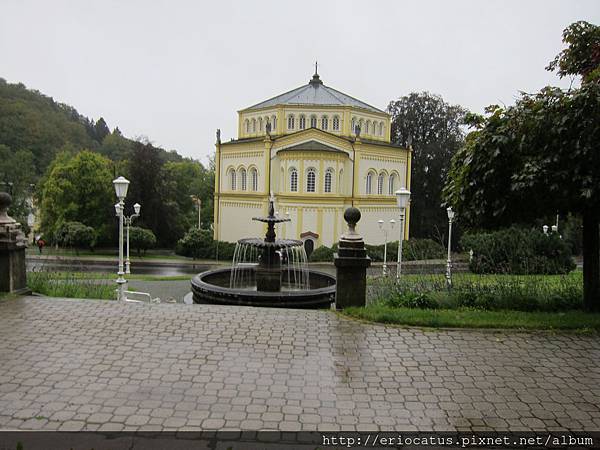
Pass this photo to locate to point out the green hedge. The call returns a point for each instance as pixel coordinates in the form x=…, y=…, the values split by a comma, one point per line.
x=518, y=251
x=199, y=244
x=412, y=250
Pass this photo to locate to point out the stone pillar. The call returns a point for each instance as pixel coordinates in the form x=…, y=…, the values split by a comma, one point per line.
x=351, y=262
x=12, y=250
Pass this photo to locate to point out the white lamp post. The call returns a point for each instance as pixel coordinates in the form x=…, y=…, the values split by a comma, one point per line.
x=449, y=261
x=128, y=221
x=545, y=228
x=385, y=234
x=198, y=202
x=402, y=198
x=121, y=185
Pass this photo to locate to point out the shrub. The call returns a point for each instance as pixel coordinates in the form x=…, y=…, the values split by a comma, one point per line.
x=518, y=251
x=75, y=235
x=141, y=239
x=199, y=244
x=545, y=293
x=70, y=286
x=412, y=250
x=323, y=253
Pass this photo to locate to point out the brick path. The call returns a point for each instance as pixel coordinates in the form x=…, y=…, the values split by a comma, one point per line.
x=98, y=365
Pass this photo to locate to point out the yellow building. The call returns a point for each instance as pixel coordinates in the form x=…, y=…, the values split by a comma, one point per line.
x=319, y=151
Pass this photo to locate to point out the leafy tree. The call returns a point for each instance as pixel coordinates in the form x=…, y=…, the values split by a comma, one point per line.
x=78, y=189
x=539, y=156
x=141, y=239
x=433, y=127
x=17, y=177
x=75, y=235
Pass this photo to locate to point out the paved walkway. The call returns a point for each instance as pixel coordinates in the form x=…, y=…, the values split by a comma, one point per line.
x=89, y=365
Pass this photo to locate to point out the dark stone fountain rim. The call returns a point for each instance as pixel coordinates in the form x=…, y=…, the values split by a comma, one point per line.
x=307, y=298
x=278, y=244
x=198, y=282
x=271, y=219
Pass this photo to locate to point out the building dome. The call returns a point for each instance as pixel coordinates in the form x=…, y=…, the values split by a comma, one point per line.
x=314, y=93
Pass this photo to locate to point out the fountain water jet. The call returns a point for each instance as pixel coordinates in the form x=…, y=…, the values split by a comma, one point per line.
x=266, y=272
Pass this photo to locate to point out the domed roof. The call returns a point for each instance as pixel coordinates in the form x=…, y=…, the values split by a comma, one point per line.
x=314, y=93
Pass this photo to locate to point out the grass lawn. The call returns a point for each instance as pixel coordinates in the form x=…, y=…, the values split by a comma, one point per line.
x=111, y=276
x=479, y=301
x=469, y=318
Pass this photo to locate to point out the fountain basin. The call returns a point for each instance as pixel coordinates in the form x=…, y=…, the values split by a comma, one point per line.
x=213, y=287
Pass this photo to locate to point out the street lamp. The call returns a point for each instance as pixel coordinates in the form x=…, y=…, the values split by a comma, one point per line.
x=385, y=234
x=545, y=228
x=449, y=261
x=402, y=198
x=121, y=185
x=198, y=202
x=128, y=221
x=554, y=228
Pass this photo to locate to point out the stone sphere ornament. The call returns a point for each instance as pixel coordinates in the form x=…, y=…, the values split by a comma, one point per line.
x=352, y=217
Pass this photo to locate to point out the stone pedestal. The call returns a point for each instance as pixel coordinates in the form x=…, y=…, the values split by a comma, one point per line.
x=351, y=262
x=12, y=251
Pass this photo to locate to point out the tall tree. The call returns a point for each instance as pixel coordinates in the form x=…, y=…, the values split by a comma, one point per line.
x=101, y=129
x=78, y=189
x=540, y=156
x=433, y=127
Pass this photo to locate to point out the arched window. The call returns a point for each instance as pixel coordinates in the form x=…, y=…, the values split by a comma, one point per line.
x=324, y=123
x=311, y=180
x=392, y=184
x=243, y=178
x=380, y=128
x=369, y=184
x=368, y=127
x=273, y=123
x=247, y=122
x=380, y=179
x=232, y=179
x=353, y=130
x=341, y=181
x=313, y=121
x=260, y=124
x=302, y=122
x=336, y=123
x=254, y=179
x=328, y=178
x=293, y=180
x=254, y=125
x=361, y=124
x=291, y=122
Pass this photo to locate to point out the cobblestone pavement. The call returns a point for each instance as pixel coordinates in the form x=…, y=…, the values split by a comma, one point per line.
x=99, y=365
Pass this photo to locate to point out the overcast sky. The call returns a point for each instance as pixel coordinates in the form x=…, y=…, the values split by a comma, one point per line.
x=174, y=71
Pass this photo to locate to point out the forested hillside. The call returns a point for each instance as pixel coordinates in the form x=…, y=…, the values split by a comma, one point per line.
x=41, y=145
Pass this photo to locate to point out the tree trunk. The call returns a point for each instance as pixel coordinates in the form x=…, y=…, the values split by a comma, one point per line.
x=591, y=261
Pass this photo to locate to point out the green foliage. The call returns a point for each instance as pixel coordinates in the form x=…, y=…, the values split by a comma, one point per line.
x=199, y=244
x=323, y=253
x=582, y=55
x=141, y=239
x=518, y=251
x=67, y=285
x=572, y=232
x=434, y=129
x=164, y=189
x=17, y=176
x=75, y=235
x=78, y=189
x=412, y=250
x=480, y=292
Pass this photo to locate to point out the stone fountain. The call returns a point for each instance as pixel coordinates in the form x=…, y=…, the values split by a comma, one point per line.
x=266, y=272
